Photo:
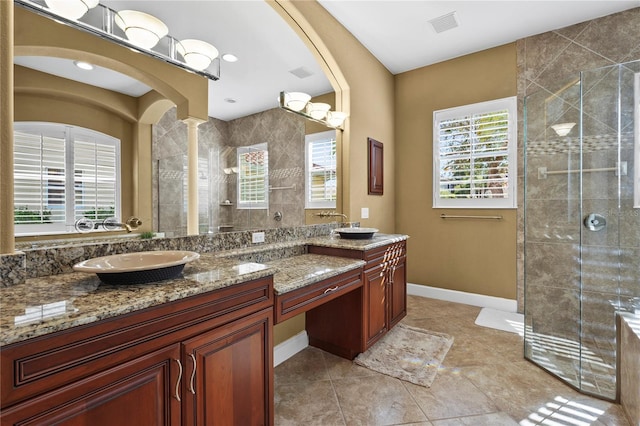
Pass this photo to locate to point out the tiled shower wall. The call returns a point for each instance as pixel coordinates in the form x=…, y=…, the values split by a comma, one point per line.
x=217, y=143
x=546, y=62
x=576, y=278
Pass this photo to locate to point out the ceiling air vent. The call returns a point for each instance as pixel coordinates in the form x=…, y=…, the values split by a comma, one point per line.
x=444, y=22
x=301, y=72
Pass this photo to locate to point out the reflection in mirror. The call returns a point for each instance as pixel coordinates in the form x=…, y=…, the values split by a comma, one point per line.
x=231, y=152
x=63, y=174
x=219, y=139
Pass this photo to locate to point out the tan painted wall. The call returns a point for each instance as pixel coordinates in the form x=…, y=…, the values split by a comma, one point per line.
x=367, y=95
x=365, y=90
x=476, y=256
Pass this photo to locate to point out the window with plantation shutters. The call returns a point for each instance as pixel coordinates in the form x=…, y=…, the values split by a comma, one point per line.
x=61, y=174
x=320, y=167
x=253, y=177
x=474, y=152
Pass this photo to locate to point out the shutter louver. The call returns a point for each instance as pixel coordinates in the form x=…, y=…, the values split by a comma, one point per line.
x=253, y=182
x=475, y=155
x=62, y=174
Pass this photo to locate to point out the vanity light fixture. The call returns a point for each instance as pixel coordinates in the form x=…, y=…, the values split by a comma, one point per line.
x=83, y=65
x=318, y=110
x=563, y=129
x=336, y=118
x=71, y=9
x=298, y=103
x=197, y=54
x=141, y=29
x=135, y=30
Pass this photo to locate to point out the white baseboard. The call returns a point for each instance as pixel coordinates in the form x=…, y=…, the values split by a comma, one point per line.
x=290, y=347
x=297, y=343
x=507, y=305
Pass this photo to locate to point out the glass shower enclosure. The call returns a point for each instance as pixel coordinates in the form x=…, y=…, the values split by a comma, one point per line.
x=582, y=223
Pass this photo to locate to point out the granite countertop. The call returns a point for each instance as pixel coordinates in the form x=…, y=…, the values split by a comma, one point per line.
x=378, y=240
x=49, y=304
x=299, y=271
x=57, y=302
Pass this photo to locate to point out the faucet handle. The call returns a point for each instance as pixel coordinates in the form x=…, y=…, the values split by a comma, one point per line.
x=134, y=222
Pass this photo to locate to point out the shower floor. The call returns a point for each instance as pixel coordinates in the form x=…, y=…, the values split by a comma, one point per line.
x=590, y=366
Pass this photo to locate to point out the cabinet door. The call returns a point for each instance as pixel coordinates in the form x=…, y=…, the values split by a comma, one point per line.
x=139, y=392
x=375, y=302
x=397, y=291
x=228, y=374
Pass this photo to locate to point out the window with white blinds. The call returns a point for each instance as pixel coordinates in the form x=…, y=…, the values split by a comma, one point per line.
x=474, y=152
x=320, y=170
x=63, y=173
x=253, y=177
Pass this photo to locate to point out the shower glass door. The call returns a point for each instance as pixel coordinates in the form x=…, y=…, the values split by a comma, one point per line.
x=582, y=231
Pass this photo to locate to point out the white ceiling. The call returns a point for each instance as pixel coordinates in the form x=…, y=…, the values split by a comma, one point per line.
x=396, y=32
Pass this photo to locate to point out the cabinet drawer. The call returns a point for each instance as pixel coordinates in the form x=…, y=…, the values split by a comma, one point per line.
x=45, y=363
x=303, y=299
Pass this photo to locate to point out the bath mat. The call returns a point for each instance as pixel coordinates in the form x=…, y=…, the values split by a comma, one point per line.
x=500, y=320
x=408, y=353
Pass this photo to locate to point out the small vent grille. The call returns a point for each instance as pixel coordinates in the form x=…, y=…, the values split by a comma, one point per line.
x=444, y=22
x=301, y=72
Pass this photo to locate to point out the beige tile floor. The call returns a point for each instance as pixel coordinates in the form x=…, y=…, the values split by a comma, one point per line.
x=484, y=380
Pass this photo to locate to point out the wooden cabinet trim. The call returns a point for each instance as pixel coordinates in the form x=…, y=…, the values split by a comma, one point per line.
x=45, y=363
x=301, y=300
x=76, y=398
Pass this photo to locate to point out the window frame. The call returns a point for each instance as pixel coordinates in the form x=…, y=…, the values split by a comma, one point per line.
x=70, y=134
x=308, y=140
x=249, y=205
x=508, y=202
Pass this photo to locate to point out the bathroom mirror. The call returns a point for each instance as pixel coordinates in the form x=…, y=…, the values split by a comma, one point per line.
x=213, y=159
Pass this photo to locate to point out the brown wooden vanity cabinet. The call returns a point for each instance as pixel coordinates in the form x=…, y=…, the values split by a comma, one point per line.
x=205, y=359
x=381, y=304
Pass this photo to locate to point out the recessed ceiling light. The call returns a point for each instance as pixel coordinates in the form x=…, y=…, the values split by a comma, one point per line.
x=229, y=57
x=83, y=65
x=230, y=100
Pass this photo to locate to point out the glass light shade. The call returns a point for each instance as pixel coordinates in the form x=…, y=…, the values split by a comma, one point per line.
x=197, y=53
x=563, y=129
x=336, y=118
x=141, y=29
x=296, y=101
x=318, y=110
x=71, y=9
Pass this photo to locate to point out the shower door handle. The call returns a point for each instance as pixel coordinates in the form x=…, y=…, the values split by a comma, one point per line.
x=595, y=222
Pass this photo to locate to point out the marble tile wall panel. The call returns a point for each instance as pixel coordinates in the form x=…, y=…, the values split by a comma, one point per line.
x=284, y=134
x=546, y=63
x=629, y=365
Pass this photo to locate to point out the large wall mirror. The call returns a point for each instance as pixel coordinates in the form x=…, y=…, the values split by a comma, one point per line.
x=247, y=145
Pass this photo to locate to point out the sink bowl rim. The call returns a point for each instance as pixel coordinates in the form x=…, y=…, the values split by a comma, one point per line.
x=108, y=265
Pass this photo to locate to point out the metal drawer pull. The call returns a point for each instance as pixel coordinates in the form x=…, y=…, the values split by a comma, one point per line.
x=177, y=395
x=329, y=290
x=193, y=374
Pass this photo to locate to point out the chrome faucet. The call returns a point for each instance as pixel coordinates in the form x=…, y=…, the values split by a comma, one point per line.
x=332, y=214
x=131, y=224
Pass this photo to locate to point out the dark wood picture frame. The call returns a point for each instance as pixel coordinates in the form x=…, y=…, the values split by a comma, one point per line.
x=376, y=169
